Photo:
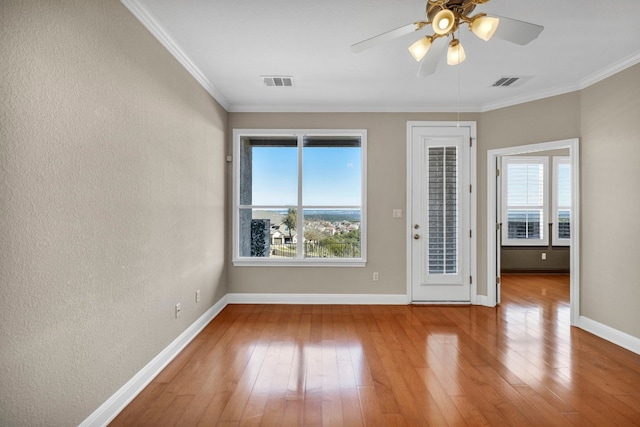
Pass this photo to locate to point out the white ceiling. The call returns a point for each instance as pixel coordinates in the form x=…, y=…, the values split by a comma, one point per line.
x=229, y=44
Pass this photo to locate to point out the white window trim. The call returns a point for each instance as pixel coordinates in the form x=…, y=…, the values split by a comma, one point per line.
x=555, y=240
x=544, y=160
x=298, y=262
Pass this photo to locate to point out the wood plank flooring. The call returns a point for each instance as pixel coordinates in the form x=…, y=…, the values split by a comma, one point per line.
x=520, y=364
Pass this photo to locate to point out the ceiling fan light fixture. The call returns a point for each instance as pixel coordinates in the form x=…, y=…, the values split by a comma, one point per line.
x=484, y=27
x=455, y=54
x=444, y=22
x=420, y=48
x=445, y=18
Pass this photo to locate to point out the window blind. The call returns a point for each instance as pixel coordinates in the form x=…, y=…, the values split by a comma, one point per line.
x=525, y=200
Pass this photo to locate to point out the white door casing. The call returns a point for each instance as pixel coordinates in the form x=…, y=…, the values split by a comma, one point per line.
x=441, y=207
x=493, y=218
x=498, y=230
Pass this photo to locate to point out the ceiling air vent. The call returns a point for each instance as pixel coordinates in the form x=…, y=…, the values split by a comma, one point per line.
x=512, y=81
x=505, y=81
x=278, y=81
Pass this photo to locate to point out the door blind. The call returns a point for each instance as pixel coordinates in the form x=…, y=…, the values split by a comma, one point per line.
x=443, y=210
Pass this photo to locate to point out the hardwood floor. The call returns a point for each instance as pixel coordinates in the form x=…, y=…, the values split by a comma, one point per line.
x=520, y=364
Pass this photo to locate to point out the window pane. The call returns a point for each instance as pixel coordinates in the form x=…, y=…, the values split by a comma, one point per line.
x=267, y=233
x=525, y=184
x=332, y=171
x=564, y=184
x=524, y=224
x=332, y=233
x=564, y=224
x=272, y=172
x=443, y=210
x=269, y=171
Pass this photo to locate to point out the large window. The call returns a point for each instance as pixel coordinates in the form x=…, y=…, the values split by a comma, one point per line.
x=561, y=201
x=299, y=197
x=525, y=211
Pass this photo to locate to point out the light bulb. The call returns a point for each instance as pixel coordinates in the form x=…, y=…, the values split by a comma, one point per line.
x=484, y=27
x=444, y=22
x=456, y=54
x=420, y=48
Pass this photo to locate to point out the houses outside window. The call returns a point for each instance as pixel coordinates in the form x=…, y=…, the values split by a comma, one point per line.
x=299, y=197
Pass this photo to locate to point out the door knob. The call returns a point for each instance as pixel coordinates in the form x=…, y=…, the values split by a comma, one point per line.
x=416, y=236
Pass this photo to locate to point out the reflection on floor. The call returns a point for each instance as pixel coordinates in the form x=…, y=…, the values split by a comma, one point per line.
x=520, y=364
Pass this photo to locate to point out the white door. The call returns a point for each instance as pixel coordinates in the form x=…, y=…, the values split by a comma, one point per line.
x=440, y=214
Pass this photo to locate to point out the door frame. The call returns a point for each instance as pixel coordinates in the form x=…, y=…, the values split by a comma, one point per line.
x=492, y=218
x=473, y=246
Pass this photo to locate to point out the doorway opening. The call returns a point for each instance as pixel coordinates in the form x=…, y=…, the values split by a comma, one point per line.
x=496, y=220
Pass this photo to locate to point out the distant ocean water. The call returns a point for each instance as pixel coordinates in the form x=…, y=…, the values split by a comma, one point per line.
x=331, y=215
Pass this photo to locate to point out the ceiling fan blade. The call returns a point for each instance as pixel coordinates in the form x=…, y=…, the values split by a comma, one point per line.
x=430, y=62
x=389, y=35
x=518, y=32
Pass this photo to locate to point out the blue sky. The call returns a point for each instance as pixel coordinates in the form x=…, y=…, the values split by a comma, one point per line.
x=331, y=176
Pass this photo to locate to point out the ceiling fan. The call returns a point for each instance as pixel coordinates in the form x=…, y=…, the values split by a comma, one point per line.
x=445, y=18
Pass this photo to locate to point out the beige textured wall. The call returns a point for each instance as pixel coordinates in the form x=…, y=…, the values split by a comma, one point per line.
x=549, y=119
x=610, y=156
x=386, y=188
x=111, y=205
x=541, y=121
x=112, y=202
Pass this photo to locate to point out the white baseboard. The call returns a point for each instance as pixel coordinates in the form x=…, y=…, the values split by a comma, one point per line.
x=608, y=333
x=483, y=300
x=351, y=299
x=121, y=398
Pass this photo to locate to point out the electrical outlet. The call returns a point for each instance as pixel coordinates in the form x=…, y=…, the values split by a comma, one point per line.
x=544, y=255
x=397, y=213
x=198, y=295
x=178, y=309
x=376, y=276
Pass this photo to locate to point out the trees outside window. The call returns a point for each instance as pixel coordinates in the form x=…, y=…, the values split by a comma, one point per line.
x=307, y=188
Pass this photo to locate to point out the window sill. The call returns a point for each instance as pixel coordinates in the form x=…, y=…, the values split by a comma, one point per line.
x=298, y=263
x=513, y=244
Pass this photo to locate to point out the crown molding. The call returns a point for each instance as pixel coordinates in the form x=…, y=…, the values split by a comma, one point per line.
x=350, y=109
x=530, y=97
x=584, y=83
x=609, y=71
x=151, y=24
